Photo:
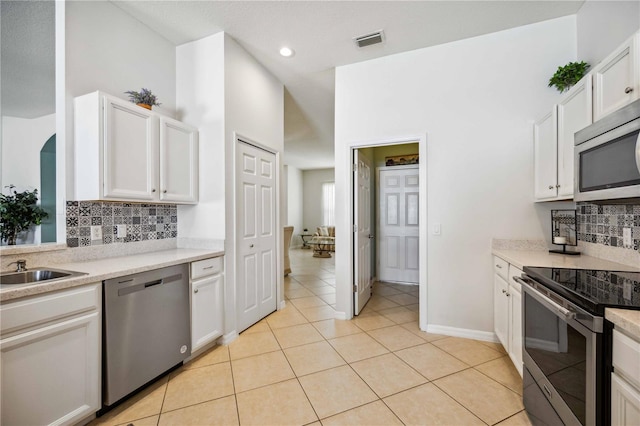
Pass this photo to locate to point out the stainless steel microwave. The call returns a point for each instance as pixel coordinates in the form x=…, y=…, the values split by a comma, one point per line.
x=607, y=157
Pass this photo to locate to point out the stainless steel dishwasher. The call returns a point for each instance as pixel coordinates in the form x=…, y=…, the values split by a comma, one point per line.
x=146, y=328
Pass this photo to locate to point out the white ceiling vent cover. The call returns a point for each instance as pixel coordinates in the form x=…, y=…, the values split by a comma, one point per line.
x=369, y=39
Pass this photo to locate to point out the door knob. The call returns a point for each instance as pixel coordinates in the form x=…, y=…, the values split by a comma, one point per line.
x=251, y=246
x=628, y=90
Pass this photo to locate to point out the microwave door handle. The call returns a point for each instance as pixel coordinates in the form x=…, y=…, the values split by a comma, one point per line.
x=548, y=303
x=638, y=152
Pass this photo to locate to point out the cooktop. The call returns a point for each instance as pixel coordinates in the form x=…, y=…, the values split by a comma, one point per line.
x=591, y=289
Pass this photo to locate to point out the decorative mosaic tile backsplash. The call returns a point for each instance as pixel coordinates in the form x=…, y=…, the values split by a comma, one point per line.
x=142, y=221
x=604, y=224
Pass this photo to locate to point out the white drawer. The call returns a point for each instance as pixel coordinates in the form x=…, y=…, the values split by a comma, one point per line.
x=41, y=309
x=501, y=267
x=515, y=272
x=203, y=268
x=626, y=357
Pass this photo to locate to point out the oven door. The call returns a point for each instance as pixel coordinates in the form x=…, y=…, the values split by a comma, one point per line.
x=560, y=353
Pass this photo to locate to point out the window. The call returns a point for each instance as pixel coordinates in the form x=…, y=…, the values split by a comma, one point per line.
x=328, y=204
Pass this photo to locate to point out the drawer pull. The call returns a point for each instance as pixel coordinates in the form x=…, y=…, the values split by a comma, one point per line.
x=499, y=266
x=628, y=90
x=208, y=267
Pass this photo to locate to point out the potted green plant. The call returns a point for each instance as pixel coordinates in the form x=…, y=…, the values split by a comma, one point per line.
x=568, y=75
x=18, y=212
x=143, y=98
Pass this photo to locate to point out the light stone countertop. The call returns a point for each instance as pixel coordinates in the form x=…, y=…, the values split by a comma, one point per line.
x=112, y=267
x=625, y=319
x=522, y=258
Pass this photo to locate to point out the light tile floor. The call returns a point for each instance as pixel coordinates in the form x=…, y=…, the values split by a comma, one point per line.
x=300, y=366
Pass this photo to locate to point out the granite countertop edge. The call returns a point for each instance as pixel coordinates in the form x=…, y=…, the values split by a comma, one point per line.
x=104, y=269
x=625, y=319
x=522, y=258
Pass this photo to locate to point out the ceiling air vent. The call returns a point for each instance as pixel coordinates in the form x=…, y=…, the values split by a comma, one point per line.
x=369, y=39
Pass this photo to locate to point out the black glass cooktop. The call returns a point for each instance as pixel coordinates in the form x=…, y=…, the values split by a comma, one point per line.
x=592, y=290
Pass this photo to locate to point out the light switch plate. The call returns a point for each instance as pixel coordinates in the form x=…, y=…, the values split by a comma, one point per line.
x=96, y=233
x=626, y=237
x=436, y=229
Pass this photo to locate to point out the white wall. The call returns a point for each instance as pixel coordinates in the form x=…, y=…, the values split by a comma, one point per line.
x=109, y=50
x=603, y=26
x=200, y=103
x=475, y=100
x=295, y=194
x=22, y=140
x=312, y=188
x=254, y=109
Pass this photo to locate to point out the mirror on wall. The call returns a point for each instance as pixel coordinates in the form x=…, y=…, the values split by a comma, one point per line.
x=28, y=107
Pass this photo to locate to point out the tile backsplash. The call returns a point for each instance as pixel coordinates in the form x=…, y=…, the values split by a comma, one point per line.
x=604, y=224
x=142, y=221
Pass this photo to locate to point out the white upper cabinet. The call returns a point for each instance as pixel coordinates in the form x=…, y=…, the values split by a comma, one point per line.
x=130, y=151
x=545, y=150
x=617, y=78
x=126, y=153
x=178, y=162
x=574, y=113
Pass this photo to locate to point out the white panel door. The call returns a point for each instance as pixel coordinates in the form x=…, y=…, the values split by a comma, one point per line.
x=398, y=226
x=131, y=152
x=362, y=232
x=178, y=162
x=256, y=234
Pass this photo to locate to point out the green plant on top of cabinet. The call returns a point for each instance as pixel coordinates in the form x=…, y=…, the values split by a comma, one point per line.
x=554, y=142
x=616, y=79
x=128, y=153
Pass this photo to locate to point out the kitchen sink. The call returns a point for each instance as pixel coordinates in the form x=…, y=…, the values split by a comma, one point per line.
x=36, y=275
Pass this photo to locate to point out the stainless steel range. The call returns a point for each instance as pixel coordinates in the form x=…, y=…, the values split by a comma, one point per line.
x=567, y=342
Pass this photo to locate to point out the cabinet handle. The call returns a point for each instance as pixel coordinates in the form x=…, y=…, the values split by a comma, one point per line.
x=208, y=267
x=251, y=246
x=195, y=291
x=628, y=90
x=153, y=190
x=508, y=294
x=164, y=192
x=557, y=186
x=550, y=186
x=504, y=291
x=498, y=266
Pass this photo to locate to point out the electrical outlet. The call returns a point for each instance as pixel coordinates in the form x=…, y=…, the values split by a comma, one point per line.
x=626, y=237
x=121, y=231
x=96, y=233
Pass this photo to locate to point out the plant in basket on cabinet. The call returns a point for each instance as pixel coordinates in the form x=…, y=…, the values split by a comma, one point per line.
x=144, y=98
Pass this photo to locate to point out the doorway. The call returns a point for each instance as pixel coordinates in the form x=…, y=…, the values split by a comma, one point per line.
x=407, y=202
x=256, y=233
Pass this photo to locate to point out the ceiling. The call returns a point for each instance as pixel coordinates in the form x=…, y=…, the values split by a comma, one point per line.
x=321, y=33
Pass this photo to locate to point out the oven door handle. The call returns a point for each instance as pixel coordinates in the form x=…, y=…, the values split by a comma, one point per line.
x=550, y=304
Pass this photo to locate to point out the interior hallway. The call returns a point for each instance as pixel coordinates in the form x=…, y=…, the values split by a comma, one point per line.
x=300, y=366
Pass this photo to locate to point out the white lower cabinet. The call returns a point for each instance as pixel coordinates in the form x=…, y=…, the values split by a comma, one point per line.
x=625, y=381
x=50, y=370
x=507, y=310
x=207, y=313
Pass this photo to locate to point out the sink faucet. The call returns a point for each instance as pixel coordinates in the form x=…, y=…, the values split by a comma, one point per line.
x=21, y=265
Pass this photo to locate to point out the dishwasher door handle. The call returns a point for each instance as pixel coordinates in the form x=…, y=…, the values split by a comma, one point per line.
x=152, y=283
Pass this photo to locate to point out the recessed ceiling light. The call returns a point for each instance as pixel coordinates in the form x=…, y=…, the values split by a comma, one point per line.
x=287, y=52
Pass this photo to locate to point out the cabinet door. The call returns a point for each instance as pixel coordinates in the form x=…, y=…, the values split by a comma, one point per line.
x=574, y=113
x=545, y=150
x=617, y=79
x=52, y=374
x=515, y=328
x=178, y=162
x=206, y=310
x=130, y=151
x=625, y=402
x=501, y=310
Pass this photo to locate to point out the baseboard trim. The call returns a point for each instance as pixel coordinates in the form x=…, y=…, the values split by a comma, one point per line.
x=340, y=315
x=467, y=333
x=282, y=305
x=228, y=338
